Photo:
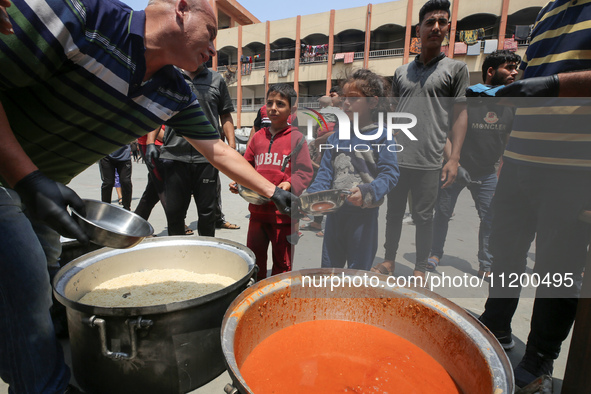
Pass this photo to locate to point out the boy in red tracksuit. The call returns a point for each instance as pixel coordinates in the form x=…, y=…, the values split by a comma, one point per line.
x=277, y=153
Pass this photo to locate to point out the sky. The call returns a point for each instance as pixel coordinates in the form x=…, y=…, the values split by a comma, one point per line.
x=265, y=10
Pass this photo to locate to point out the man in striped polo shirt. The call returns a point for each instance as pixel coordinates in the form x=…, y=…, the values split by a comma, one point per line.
x=544, y=185
x=78, y=79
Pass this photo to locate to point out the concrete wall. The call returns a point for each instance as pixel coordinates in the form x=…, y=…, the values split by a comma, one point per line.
x=284, y=28
x=228, y=37
x=517, y=5
x=393, y=12
x=313, y=72
x=350, y=18
x=315, y=24
x=253, y=33
x=467, y=8
x=386, y=13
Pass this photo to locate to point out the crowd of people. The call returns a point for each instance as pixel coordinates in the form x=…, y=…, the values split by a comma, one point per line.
x=163, y=91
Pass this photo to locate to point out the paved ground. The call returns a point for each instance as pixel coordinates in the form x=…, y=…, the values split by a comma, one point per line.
x=461, y=249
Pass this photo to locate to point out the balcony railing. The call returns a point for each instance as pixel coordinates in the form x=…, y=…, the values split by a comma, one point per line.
x=309, y=104
x=250, y=107
x=316, y=59
x=376, y=54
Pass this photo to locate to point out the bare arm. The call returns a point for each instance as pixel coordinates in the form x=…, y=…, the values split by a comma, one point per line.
x=447, y=149
x=5, y=25
x=457, y=135
x=228, y=129
x=15, y=163
x=231, y=163
x=152, y=135
x=575, y=84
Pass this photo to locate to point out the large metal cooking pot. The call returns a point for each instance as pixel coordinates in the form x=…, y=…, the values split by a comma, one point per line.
x=454, y=338
x=172, y=348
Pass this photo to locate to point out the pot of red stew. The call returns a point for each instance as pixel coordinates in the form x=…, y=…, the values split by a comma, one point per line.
x=295, y=333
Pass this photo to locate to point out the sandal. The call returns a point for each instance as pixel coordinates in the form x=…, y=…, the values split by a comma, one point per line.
x=382, y=268
x=310, y=227
x=320, y=234
x=432, y=263
x=228, y=226
x=188, y=231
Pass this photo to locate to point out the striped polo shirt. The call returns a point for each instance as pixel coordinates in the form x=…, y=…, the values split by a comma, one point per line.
x=555, y=132
x=71, y=83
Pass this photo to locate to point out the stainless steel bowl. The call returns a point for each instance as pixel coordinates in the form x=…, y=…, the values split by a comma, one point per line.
x=321, y=203
x=112, y=226
x=251, y=196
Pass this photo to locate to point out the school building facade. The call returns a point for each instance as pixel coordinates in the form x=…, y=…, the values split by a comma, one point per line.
x=313, y=52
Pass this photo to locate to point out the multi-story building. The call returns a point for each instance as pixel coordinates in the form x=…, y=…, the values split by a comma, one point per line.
x=315, y=51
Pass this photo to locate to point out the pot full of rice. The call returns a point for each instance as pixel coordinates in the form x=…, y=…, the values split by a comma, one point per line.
x=147, y=319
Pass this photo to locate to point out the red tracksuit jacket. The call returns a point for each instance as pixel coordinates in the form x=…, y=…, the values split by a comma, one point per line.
x=267, y=154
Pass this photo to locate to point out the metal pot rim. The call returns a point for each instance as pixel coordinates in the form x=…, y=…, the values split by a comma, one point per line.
x=67, y=272
x=277, y=283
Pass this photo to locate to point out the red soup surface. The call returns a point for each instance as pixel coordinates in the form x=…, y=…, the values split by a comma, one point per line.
x=321, y=206
x=330, y=356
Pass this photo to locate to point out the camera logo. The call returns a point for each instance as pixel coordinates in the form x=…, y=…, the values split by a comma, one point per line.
x=390, y=123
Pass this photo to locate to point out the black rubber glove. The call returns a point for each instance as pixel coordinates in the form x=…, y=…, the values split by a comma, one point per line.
x=532, y=87
x=46, y=201
x=152, y=155
x=463, y=177
x=285, y=201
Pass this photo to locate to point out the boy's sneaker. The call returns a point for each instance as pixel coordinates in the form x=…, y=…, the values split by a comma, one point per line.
x=504, y=337
x=407, y=219
x=532, y=366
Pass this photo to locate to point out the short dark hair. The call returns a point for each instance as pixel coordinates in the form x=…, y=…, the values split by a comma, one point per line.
x=497, y=58
x=286, y=91
x=434, y=5
x=335, y=89
x=371, y=85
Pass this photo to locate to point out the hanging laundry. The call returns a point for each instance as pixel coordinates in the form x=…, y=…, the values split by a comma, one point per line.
x=474, y=49
x=415, y=45
x=246, y=68
x=510, y=44
x=273, y=66
x=471, y=36
x=522, y=32
x=349, y=56
x=283, y=68
x=337, y=56
x=490, y=46
x=460, y=48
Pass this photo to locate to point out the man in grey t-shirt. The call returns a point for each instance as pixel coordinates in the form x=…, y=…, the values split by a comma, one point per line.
x=432, y=87
x=186, y=171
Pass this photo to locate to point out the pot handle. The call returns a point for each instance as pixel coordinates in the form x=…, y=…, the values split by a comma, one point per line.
x=229, y=389
x=134, y=325
x=253, y=278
